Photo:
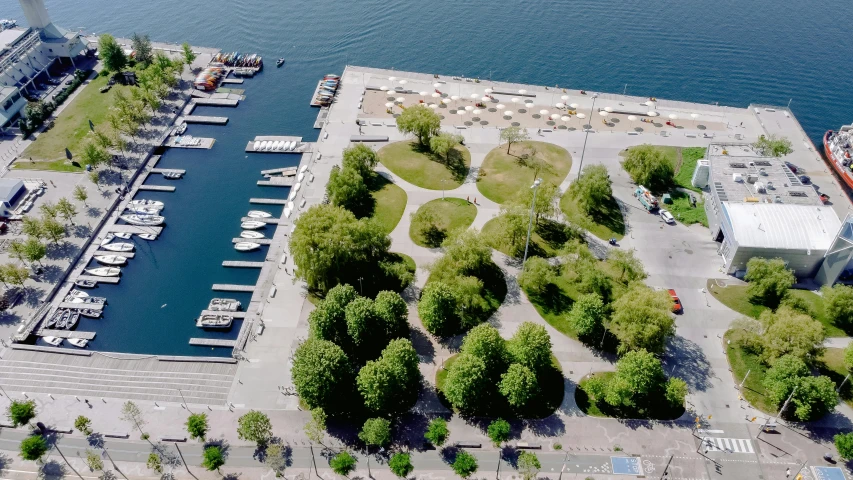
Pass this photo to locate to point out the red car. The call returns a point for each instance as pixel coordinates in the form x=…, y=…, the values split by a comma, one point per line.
x=676, y=302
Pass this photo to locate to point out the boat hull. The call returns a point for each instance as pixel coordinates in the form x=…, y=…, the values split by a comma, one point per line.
x=835, y=162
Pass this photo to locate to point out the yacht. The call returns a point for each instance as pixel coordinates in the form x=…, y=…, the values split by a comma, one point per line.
x=252, y=225
x=147, y=203
x=85, y=283
x=110, y=259
x=118, y=247
x=141, y=211
x=246, y=246
x=251, y=234
x=144, y=220
x=72, y=320
x=123, y=235
x=103, y=271
x=214, y=321
x=55, y=341
x=259, y=214
x=147, y=236
x=224, y=305
x=78, y=342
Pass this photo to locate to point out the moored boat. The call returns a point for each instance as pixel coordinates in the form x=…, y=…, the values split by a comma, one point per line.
x=64, y=314
x=77, y=293
x=118, y=247
x=103, y=271
x=214, y=321
x=147, y=203
x=838, y=148
x=78, y=342
x=55, y=341
x=90, y=312
x=252, y=225
x=108, y=238
x=123, y=235
x=110, y=259
x=143, y=220
x=147, y=236
x=246, y=246
x=141, y=211
x=251, y=234
x=72, y=319
x=224, y=305
x=85, y=283
x=259, y=214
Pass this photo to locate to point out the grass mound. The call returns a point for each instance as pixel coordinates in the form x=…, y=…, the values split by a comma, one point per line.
x=605, y=223
x=389, y=202
x=503, y=175
x=419, y=166
x=447, y=215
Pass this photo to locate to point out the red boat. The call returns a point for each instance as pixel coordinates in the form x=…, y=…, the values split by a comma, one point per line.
x=838, y=147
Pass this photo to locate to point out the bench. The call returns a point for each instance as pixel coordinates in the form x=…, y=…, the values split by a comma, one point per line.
x=469, y=444
x=173, y=438
x=116, y=435
x=528, y=446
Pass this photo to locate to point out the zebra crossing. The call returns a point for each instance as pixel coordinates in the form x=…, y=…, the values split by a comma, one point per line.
x=728, y=445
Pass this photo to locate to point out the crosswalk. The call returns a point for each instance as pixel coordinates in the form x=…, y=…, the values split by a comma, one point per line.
x=729, y=445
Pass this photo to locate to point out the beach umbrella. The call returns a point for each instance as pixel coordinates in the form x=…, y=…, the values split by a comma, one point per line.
x=468, y=108
x=389, y=104
x=461, y=112
x=392, y=78
x=514, y=100
x=581, y=116
x=608, y=109
x=694, y=116
x=489, y=90
x=603, y=113
x=528, y=105
x=632, y=118
x=500, y=106
x=436, y=95
x=555, y=116
x=436, y=84
x=383, y=88
x=403, y=82
x=476, y=112
x=424, y=94
x=543, y=112
x=565, y=118
x=433, y=106
x=564, y=97
x=560, y=105
x=652, y=114
x=454, y=97
x=522, y=91
x=486, y=98
x=474, y=96
x=445, y=101
x=509, y=113
x=401, y=99
x=673, y=116
x=574, y=105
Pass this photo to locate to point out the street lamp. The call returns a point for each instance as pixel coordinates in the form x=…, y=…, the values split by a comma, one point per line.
x=580, y=167
x=535, y=187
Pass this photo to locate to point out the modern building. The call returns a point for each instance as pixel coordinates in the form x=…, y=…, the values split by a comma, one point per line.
x=26, y=58
x=11, y=190
x=758, y=207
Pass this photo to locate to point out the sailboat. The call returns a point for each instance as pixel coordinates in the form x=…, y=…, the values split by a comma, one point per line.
x=144, y=220
x=123, y=235
x=110, y=259
x=251, y=234
x=246, y=246
x=103, y=271
x=118, y=247
x=147, y=203
x=252, y=225
x=142, y=211
x=259, y=214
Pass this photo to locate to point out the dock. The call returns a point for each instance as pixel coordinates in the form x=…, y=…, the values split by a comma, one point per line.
x=67, y=334
x=189, y=142
x=259, y=241
x=277, y=182
x=231, y=80
x=226, y=287
x=110, y=280
x=82, y=306
x=134, y=229
x=242, y=264
x=301, y=147
x=284, y=172
x=118, y=254
x=168, y=170
x=236, y=315
x=213, y=342
x=217, y=102
x=268, y=221
x=321, y=117
x=155, y=188
x=314, y=102
x=268, y=201
x=205, y=119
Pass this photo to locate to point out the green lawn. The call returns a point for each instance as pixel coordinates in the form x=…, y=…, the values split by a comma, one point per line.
x=420, y=167
x=72, y=126
x=683, y=210
x=502, y=176
x=742, y=361
x=555, y=305
x=546, y=239
x=831, y=364
x=449, y=213
x=655, y=411
x=606, y=223
x=736, y=298
x=689, y=157
x=389, y=203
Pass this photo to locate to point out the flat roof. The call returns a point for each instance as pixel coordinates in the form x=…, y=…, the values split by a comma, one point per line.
x=10, y=36
x=744, y=176
x=782, y=226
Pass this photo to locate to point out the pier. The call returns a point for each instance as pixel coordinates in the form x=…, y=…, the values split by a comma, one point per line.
x=134, y=229
x=268, y=201
x=155, y=188
x=82, y=306
x=232, y=80
x=190, y=142
x=227, y=287
x=204, y=119
x=236, y=315
x=217, y=102
x=168, y=170
x=259, y=241
x=110, y=280
x=284, y=172
x=242, y=264
x=213, y=342
x=301, y=147
x=47, y=332
x=277, y=182
x=268, y=221
x=118, y=254
x=321, y=117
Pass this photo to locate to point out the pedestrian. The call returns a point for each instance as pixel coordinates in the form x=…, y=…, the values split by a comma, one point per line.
x=741, y=124
x=787, y=472
x=539, y=131
x=468, y=199
x=475, y=200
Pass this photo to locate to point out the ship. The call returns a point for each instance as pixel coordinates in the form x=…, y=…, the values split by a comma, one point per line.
x=838, y=148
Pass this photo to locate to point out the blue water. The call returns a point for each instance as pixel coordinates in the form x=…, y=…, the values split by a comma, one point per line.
x=726, y=51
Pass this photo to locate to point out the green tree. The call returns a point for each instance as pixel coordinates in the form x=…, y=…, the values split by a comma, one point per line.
x=131, y=413
x=343, y=463
x=648, y=166
x=53, y=230
x=437, y=432
x=437, y=309
x=83, y=424
x=33, y=448
x=592, y=190
x=546, y=200
x=213, y=458
x=815, y=397
x=642, y=319
x=142, y=51
x=443, y=143
x=32, y=227
x=512, y=135
x=630, y=267
x=518, y=385
x=66, y=210
x=197, y=426
x=189, y=55
x=401, y=464
x=94, y=154
x=17, y=251
x=676, y=391
x=93, y=460
x=772, y=146
x=848, y=357
x=48, y=210
x=154, y=463
x=394, y=314
x=769, y=280
x=531, y=346
x=844, y=445
x=360, y=158
x=254, y=426
x=376, y=432
x=346, y=189
x=485, y=342
x=322, y=375
x=34, y=250
x=782, y=377
x=111, y=53
x=363, y=327
x=328, y=320
x=498, y=432
x=14, y=274
x=315, y=429
x=638, y=373
x=528, y=465
x=791, y=332
x=275, y=459
x=587, y=315
x=511, y=229
x=390, y=384
x=467, y=383
x=838, y=304
x=465, y=464
x=421, y=122
x=20, y=412
x=536, y=276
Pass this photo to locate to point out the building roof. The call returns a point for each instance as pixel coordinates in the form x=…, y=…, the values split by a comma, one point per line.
x=761, y=178
x=10, y=36
x=782, y=226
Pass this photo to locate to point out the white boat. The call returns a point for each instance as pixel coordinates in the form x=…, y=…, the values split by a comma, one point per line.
x=224, y=305
x=290, y=206
x=259, y=214
x=256, y=145
x=303, y=168
x=288, y=146
x=300, y=177
x=55, y=341
x=78, y=342
x=246, y=246
x=264, y=145
x=118, y=247
x=251, y=234
x=141, y=211
x=252, y=225
x=110, y=259
x=85, y=283
x=292, y=194
x=108, y=238
x=269, y=145
x=281, y=145
x=145, y=220
x=77, y=293
x=278, y=145
x=214, y=321
x=147, y=236
x=181, y=129
x=124, y=235
x=297, y=186
x=72, y=320
x=287, y=212
x=147, y=203
x=103, y=271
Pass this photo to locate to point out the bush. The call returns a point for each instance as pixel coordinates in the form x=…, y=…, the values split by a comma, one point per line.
x=33, y=448
x=465, y=464
x=536, y=275
x=213, y=458
x=844, y=445
x=401, y=464
x=343, y=463
x=769, y=281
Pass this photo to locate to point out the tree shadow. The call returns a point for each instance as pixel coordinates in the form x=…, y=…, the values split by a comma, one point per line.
x=9, y=318
x=454, y=161
x=5, y=461
x=32, y=296
x=93, y=212
x=61, y=250
x=550, y=426
x=553, y=300
x=687, y=361
x=609, y=215
x=81, y=231
x=224, y=446
x=53, y=469
x=423, y=345
x=51, y=273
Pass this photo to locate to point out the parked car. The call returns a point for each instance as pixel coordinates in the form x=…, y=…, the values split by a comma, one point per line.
x=667, y=217
x=805, y=179
x=68, y=82
x=676, y=302
x=54, y=81
x=792, y=167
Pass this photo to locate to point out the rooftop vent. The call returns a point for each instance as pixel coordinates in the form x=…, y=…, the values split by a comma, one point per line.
x=796, y=193
x=737, y=164
x=763, y=163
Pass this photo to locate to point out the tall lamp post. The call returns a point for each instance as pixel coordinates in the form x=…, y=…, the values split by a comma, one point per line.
x=585, y=138
x=535, y=187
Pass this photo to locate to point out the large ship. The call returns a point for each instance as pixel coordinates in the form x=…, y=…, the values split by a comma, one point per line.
x=838, y=147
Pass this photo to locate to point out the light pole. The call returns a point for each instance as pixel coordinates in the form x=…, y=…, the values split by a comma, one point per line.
x=585, y=138
x=535, y=187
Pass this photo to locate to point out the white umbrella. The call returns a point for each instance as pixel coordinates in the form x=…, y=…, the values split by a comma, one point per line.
x=392, y=78
x=474, y=96
x=603, y=113
x=461, y=112
x=401, y=99
x=436, y=95
x=476, y=112
x=454, y=97
x=445, y=101
x=436, y=84
x=424, y=94
x=389, y=104
x=383, y=88
x=528, y=105
x=469, y=108
x=514, y=100
x=565, y=118
x=564, y=97
x=522, y=91
x=500, y=106
x=509, y=113
x=581, y=116
x=632, y=118
x=694, y=116
x=608, y=109
x=560, y=105
x=574, y=105
x=489, y=90
x=486, y=98
x=673, y=116
x=433, y=106
x=543, y=112
x=403, y=82
x=555, y=116
x=652, y=114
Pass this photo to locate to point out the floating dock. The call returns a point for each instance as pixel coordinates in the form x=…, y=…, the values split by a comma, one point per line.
x=110, y=280
x=226, y=287
x=134, y=229
x=231, y=80
x=284, y=172
x=82, y=306
x=173, y=142
x=242, y=264
x=168, y=170
x=268, y=221
x=268, y=201
x=204, y=119
x=301, y=147
x=236, y=315
x=277, y=182
x=213, y=342
x=155, y=188
x=217, y=102
x=259, y=241
x=314, y=102
x=118, y=254
x=47, y=332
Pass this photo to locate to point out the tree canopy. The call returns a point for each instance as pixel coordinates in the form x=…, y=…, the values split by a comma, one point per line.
x=512, y=135
x=465, y=464
x=788, y=331
x=376, y=432
x=254, y=426
x=499, y=431
x=648, y=166
x=20, y=412
x=390, y=384
x=346, y=188
x=401, y=464
x=360, y=158
x=33, y=447
x=838, y=304
x=642, y=319
x=467, y=382
x=419, y=121
x=531, y=346
x=536, y=276
x=769, y=280
x=437, y=432
x=322, y=375
x=443, y=143
x=437, y=309
x=111, y=53
x=844, y=445
x=587, y=315
x=519, y=385
x=772, y=146
x=485, y=342
x=592, y=189
x=142, y=51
